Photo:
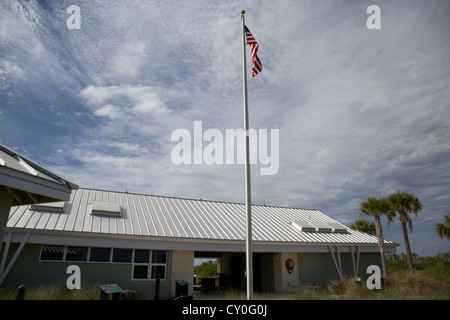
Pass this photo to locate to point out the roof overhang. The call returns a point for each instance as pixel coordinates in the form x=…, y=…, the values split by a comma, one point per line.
x=168, y=243
x=29, y=182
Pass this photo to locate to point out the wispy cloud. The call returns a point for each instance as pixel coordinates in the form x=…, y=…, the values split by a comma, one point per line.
x=136, y=100
x=360, y=112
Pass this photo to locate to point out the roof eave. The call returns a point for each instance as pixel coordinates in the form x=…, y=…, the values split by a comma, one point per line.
x=29, y=189
x=62, y=237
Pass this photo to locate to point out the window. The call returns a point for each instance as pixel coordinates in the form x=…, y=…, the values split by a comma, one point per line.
x=141, y=256
x=52, y=253
x=158, y=264
x=100, y=254
x=142, y=264
x=140, y=272
x=122, y=255
x=158, y=272
x=76, y=253
x=145, y=264
x=158, y=256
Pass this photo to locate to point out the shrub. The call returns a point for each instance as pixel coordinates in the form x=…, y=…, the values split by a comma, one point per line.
x=438, y=266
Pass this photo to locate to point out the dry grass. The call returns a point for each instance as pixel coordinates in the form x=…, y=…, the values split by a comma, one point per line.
x=419, y=285
x=399, y=286
x=53, y=292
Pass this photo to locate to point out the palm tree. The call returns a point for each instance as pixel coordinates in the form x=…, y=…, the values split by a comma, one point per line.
x=364, y=225
x=404, y=203
x=443, y=228
x=376, y=208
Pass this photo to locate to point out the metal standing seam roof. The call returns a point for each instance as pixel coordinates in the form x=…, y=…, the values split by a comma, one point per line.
x=156, y=216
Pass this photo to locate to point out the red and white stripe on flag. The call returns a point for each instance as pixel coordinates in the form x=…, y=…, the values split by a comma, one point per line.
x=257, y=66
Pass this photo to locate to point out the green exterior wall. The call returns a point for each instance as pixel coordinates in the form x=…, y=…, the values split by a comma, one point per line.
x=29, y=271
x=312, y=268
x=317, y=268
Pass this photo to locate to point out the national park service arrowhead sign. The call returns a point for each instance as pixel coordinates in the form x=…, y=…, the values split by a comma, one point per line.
x=289, y=263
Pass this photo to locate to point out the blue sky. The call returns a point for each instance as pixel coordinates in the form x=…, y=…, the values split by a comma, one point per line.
x=360, y=112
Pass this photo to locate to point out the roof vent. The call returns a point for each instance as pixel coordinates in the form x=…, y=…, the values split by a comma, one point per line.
x=53, y=207
x=303, y=226
x=109, y=209
x=337, y=227
x=321, y=227
x=315, y=226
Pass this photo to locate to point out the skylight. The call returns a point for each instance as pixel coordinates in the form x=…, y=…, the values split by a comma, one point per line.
x=110, y=209
x=54, y=207
x=26, y=166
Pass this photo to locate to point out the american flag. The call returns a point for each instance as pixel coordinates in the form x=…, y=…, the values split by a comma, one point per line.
x=257, y=66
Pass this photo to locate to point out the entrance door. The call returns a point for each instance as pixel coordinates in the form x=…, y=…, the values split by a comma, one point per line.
x=236, y=271
x=257, y=272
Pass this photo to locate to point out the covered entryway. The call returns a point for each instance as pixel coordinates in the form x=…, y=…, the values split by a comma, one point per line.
x=231, y=270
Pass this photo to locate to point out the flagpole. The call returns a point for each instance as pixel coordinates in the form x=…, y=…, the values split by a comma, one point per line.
x=248, y=201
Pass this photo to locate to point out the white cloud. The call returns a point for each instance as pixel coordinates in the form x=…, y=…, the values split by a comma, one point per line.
x=360, y=112
x=135, y=99
x=108, y=110
x=129, y=59
x=11, y=69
